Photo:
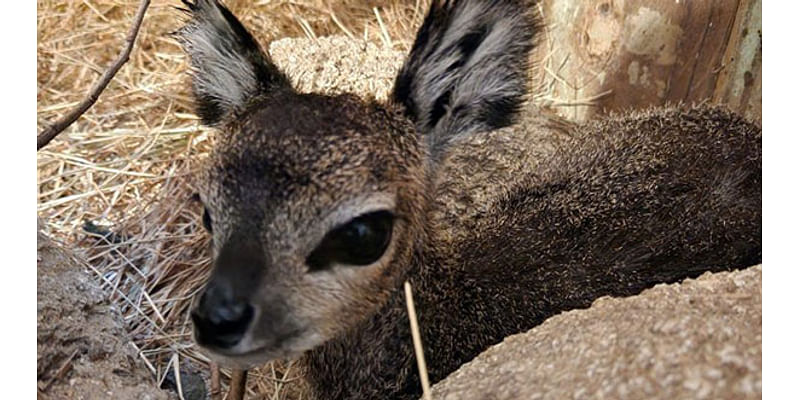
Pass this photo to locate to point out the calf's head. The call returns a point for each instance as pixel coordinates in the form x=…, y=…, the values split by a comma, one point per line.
x=316, y=203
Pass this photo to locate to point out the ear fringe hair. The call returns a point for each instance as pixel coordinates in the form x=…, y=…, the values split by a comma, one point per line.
x=229, y=68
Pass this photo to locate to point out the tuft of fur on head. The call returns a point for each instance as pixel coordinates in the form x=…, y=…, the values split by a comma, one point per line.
x=468, y=68
x=229, y=67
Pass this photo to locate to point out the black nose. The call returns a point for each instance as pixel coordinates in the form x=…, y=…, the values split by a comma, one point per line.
x=220, y=320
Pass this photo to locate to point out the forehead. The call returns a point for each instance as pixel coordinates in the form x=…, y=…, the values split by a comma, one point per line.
x=307, y=145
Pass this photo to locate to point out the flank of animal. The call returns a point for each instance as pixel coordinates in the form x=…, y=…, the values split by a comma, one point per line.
x=499, y=214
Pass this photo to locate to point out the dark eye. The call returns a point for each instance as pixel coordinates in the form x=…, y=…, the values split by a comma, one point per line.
x=362, y=241
x=207, y=219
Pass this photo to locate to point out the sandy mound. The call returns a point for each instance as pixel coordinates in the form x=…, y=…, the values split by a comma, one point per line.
x=700, y=339
x=82, y=349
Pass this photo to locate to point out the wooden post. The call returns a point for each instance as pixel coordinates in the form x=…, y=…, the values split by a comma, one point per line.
x=739, y=82
x=653, y=52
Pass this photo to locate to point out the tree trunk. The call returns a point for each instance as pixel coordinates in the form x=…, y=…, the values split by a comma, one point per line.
x=637, y=53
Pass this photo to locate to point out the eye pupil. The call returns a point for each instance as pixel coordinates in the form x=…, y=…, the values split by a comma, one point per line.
x=362, y=241
x=357, y=231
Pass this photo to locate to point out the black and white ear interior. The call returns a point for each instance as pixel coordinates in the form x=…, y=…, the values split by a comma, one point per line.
x=229, y=68
x=468, y=69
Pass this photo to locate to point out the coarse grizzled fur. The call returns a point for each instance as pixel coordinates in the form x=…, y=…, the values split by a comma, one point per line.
x=502, y=215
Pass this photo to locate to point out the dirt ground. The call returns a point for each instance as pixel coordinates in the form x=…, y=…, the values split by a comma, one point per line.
x=82, y=349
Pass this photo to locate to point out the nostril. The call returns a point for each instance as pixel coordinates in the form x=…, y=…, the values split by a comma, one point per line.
x=223, y=325
x=228, y=313
x=231, y=319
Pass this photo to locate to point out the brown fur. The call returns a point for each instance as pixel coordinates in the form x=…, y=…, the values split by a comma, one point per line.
x=497, y=228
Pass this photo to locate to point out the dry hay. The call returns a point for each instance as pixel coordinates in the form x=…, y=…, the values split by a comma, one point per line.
x=127, y=164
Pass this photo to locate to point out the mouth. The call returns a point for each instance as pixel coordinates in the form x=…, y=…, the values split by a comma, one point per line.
x=244, y=357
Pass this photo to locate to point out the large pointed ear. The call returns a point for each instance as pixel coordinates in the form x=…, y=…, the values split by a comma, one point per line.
x=469, y=67
x=229, y=68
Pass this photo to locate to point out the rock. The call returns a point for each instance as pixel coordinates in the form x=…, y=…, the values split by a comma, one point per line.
x=82, y=351
x=337, y=64
x=699, y=339
x=192, y=383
